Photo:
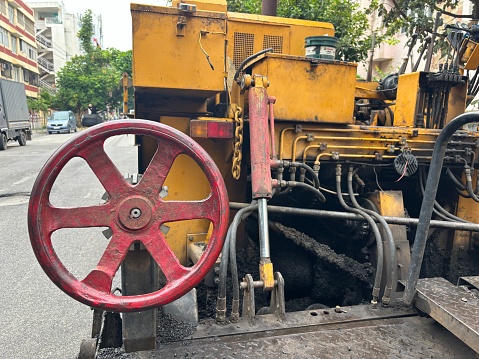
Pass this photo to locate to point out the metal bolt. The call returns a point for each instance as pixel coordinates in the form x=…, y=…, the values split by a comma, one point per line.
x=191, y=238
x=135, y=213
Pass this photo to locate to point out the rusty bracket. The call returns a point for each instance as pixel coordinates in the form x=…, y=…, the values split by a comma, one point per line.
x=277, y=304
x=180, y=26
x=248, y=300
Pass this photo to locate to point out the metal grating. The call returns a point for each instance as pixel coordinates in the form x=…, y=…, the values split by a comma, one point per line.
x=276, y=42
x=243, y=47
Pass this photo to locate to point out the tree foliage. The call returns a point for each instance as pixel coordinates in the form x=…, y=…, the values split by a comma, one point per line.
x=40, y=104
x=417, y=16
x=94, y=77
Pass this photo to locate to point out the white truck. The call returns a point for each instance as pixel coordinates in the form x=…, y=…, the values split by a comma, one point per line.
x=14, y=115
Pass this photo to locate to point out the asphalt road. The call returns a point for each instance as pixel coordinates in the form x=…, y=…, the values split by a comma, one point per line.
x=38, y=320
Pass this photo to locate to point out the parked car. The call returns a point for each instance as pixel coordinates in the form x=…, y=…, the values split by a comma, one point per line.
x=62, y=121
x=93, y=119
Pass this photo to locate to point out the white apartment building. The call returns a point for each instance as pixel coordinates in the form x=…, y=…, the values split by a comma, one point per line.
x=56, y=35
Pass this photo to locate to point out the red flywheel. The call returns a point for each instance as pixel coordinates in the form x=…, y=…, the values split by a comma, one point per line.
x=132, y=212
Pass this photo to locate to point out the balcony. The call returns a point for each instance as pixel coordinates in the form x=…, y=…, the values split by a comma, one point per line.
x=47, y=22
x=47, y=87
x=44, y=41
x=45, y=65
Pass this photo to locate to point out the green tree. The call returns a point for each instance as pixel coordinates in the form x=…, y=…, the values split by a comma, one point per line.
x=40, y=104
x=91, y=78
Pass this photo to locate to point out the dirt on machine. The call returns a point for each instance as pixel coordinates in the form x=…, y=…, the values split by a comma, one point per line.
x=281, y=206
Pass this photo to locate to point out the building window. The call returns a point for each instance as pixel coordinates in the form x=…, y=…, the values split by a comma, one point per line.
x=3, y=37
x=6, y=69
x=28, y=50
x=3, y=7
x=16, y=73
x=11, y=14
x=21, y=19
x=26, y=77
x=29, y=26
x=14, y=44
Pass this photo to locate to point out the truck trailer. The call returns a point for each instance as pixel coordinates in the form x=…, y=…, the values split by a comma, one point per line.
x=14, y=115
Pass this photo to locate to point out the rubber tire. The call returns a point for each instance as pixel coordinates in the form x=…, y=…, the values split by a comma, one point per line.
x=69, y=129
x=49, y=133
x=3, y=142
x=22, y=138
x=76, y=128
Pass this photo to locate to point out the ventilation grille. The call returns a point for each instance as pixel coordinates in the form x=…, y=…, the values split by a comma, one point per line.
x=276, y=42
x=243, y=47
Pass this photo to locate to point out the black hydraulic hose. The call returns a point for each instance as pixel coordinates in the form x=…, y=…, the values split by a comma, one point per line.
x=438, y=209
x=305, y=186
x=240, y=68
x=461, y=186
x=469, y=189
x=305, y=167
x=389, y=235
x=233, y=264
x=377, y=235
x=223, y=275
x=427, y=206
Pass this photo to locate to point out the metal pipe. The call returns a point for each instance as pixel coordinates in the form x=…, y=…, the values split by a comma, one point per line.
x=430, y=49
x=263, y=228
x=269, y=7
x=271, y=102
x=318, y=213
x=427, y=206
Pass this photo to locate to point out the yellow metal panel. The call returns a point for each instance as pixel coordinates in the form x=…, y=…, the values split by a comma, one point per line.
x=168, y=50
x=294, y=31
x=321, y=92
x=471, y=55
x=368, y=90
x=457, y=102
x=408, y=88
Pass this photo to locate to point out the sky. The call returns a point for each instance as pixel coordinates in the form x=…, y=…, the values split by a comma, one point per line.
x=115, y=16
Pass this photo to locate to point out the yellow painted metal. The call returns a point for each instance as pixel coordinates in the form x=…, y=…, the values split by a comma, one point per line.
x=457, y=102
x=407, y=93
x=319, y=101
x=266, y=275
x=391, y=204
x=368, y=90
x=171, y=51
x=471, y=55
x=208, y=5
x=462, y=241
x=308, y=141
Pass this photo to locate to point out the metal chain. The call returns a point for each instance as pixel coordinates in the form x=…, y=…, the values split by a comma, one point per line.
x=238, y=155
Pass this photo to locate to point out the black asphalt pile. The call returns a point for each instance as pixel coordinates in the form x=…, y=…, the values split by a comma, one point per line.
x=112, y=353
x=172, y=330
x=361, y=271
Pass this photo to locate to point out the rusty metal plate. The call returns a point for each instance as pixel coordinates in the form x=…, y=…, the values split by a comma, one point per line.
x=456, y=308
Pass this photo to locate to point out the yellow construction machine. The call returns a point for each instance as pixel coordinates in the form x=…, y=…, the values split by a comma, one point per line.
x=282, y=206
